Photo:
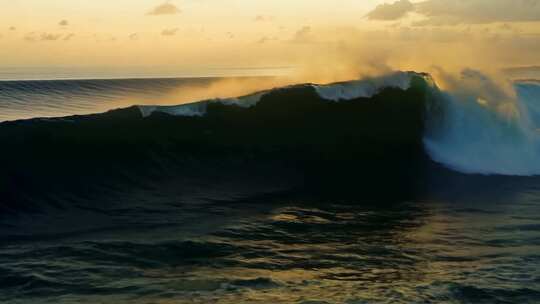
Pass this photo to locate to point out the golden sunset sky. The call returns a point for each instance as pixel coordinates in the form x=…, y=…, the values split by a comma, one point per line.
x=331, y=36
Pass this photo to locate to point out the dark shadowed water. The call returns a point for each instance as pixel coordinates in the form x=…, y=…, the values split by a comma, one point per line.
x=285, y=249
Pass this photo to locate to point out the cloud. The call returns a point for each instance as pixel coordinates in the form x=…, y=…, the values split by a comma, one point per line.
x=303, y=35
x=453, y=12
x=68, y=37
x=266, y=39
x=505, y=27
x=50, y=37
x=30, y=37
x=36, y=36
x=392, y=11
x=166, y=8
x=169, y=32
x=263, y=18
x=63, y=23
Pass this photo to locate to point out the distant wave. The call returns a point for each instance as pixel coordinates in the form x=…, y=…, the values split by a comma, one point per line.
x=53, y=98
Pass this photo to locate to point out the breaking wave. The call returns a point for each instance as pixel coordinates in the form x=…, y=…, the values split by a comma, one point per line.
x=472, y=135
x=389, y=132
x=477, y=135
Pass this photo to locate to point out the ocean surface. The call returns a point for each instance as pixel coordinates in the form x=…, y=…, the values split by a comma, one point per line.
x=55, y=98
x=308, y=194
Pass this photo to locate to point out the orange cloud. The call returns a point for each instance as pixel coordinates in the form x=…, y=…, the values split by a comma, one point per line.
x=166, y=8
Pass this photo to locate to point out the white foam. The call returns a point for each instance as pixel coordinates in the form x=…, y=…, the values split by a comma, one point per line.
x=191, y=109
x=247, y=101
x=365, y=88
x=199, y=108
x=335, y=92
x=473, y=137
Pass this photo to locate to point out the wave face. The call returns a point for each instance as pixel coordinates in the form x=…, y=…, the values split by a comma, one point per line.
x=289, y=132
x=479, y=136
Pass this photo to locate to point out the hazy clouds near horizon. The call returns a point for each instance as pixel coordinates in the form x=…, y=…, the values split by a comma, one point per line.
x=318, y=37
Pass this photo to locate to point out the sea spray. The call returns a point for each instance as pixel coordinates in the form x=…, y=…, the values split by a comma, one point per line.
x=485, y=131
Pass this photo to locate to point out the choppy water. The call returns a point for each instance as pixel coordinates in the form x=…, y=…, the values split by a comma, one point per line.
x=288, y=249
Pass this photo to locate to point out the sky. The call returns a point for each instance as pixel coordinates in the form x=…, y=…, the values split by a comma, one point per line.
x=335, y=38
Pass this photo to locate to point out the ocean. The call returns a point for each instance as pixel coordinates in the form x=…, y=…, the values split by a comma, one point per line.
x=382, y=190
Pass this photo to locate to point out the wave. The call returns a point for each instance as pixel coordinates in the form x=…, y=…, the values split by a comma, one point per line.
x=281, y=134
x=365, y=88
x=391, y=132
x=53, y=98
x=480, y=136
x=471, y=136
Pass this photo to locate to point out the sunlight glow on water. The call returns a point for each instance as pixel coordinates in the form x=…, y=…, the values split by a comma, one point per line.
x=293, y=251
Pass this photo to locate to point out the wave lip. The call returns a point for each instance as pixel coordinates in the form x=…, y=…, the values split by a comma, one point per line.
x=193, y=109
x=341, y=91
x=365, y=88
